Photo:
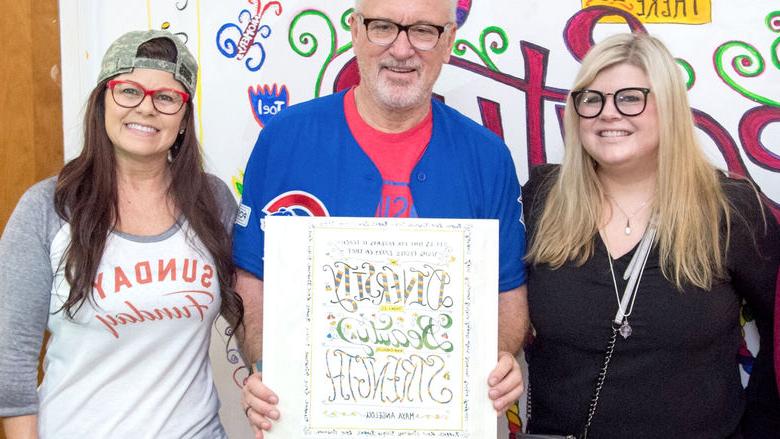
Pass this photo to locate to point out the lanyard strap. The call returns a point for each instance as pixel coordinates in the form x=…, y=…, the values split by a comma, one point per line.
x=633, y=273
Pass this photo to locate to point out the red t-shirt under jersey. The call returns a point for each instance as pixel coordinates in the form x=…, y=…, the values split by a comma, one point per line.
x=395, y=156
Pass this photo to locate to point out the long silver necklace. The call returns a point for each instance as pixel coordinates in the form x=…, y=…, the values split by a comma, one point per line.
x=633, y=275
x=641, y=207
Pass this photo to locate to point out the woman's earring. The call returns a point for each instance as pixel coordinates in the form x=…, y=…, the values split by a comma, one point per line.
x=170, y=155
x=181, y=131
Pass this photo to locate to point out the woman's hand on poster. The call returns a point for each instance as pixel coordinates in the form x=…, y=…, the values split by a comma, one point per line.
x=259, y=404
x=506, y=382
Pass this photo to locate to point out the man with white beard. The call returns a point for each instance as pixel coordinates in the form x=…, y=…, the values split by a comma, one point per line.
x=384, y=149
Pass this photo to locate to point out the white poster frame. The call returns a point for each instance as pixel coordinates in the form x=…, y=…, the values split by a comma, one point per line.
x=299, y=308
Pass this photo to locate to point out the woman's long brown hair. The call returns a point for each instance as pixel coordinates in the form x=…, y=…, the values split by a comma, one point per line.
x=86, y=197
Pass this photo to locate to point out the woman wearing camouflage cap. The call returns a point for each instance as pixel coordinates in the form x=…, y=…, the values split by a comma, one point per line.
x=124, y=258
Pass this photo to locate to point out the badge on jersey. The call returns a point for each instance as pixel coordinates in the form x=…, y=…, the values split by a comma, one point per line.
x=295, y=203
x=242, y=216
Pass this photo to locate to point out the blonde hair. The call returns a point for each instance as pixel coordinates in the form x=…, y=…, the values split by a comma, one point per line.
x=690, y=203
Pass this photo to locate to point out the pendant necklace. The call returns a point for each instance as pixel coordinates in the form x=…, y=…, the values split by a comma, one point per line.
x=633, y=275
x=641, y=207
x=625, y=329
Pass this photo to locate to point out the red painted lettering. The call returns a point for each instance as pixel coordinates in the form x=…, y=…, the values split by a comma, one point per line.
x=751, y=127
x=578, y=33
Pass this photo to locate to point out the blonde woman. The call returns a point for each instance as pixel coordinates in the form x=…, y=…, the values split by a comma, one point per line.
x=645, y=349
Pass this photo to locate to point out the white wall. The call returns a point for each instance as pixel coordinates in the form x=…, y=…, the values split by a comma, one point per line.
x=535, y=44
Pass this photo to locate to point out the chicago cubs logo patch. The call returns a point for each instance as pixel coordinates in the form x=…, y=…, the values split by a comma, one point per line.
x=295, y=203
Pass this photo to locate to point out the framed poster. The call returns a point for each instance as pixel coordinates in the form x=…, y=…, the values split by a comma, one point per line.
x=380, y=327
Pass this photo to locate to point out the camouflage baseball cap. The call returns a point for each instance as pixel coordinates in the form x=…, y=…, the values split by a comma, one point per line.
x=121, y=58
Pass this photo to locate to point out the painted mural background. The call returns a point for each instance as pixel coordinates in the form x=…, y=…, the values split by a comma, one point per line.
x=510, y=70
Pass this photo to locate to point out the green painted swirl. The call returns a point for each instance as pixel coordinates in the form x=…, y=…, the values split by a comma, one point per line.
x=747, y=64
x=309, y=44
x=773, y=23
x=497, y=47
x=688, y=69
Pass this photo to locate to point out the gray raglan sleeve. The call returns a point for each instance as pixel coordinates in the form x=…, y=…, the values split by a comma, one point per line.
x=25, y=292
x=225, y=201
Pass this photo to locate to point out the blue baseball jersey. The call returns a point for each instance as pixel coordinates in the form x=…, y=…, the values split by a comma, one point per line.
x=306, y=162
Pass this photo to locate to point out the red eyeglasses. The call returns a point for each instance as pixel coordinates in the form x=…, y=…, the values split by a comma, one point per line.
x=129, y=94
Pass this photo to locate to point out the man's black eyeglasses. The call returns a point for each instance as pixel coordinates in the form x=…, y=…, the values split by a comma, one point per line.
x=421, y=36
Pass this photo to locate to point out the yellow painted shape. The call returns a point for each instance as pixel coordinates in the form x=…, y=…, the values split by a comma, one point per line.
x=149, y=14
x=659, y=11
x=390, y=350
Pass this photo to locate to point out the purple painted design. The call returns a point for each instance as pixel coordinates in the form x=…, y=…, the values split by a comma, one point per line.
x=464, y=7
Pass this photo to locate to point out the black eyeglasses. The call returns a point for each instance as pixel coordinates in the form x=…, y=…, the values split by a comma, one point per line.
x=630, y=101
x=421, y=36
x=129, y=94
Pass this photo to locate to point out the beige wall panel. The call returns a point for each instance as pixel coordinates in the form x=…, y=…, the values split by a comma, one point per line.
x=30, y=104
